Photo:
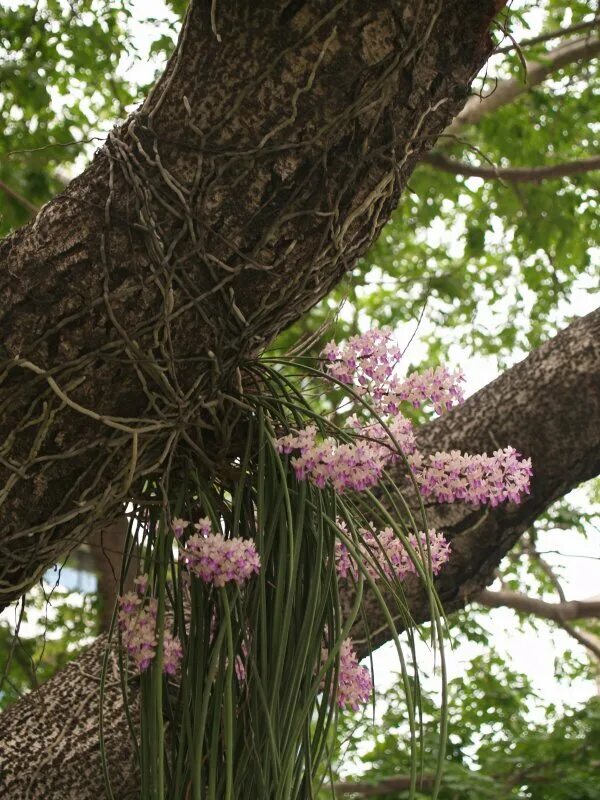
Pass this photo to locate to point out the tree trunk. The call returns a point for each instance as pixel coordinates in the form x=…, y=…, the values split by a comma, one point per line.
x=262, y=165
x=548, y=405
x=49, y=742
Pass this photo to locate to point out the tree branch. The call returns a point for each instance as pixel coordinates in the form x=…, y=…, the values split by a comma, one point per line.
x=558, y=612
x=396, y=783
x=20, y=199
x=533, y=553
x=546, y=37
x=63, y=715
x=590, y=643
x=513, y=174
x=508, y=91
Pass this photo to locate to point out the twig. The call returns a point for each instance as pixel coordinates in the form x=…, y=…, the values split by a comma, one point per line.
x=513, y=174
x=23, y=201
x=556, y=34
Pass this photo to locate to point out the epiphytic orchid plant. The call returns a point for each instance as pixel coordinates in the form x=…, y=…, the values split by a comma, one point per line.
x=235, y=628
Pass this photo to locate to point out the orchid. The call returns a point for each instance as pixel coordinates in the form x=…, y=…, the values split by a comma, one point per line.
x=384, y=553
x=218, y=560
x=354, y=682
x=137, y=623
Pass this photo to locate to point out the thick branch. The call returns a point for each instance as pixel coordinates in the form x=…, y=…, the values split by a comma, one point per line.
x=547, y=37
x=263, y=164
x=558, y=612
x=397, y=783
x=49, y=742
x=513, y=174
x=548, y=408
x=508, y=91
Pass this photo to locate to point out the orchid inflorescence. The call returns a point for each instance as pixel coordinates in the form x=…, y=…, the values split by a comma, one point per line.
x=137, y=623
x=355, y=684
x=368, y=361
x=477, y=479
x=368, y=364
x=383, y=553
x=217, y=560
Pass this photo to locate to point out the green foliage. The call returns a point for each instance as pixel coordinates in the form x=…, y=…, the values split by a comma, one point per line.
x=59, y=86
x=53, y=626
x=502, y=742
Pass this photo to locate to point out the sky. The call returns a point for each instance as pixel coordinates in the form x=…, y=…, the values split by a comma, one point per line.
x=580, y=570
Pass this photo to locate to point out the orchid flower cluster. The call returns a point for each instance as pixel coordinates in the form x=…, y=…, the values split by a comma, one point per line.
x=350, y=465
x=137, y=623
x=213, y=558
x=477, y=479
x=354, y=681
x=368, y=363
x=384, y=553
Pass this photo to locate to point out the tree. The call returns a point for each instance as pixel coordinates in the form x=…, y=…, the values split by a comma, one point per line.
x=317, y=170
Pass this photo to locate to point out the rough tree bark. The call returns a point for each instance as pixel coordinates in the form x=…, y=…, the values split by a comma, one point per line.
x=261, y=166
x=549, y=405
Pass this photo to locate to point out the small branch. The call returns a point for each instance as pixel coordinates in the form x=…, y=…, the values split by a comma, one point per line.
x=532, y=552
x=505, y=92
x=400, y=783
x=397, y=783
x=546, y=37
x=559, y=612
x=590, y=643
x=23, y=201
x=513, y=174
